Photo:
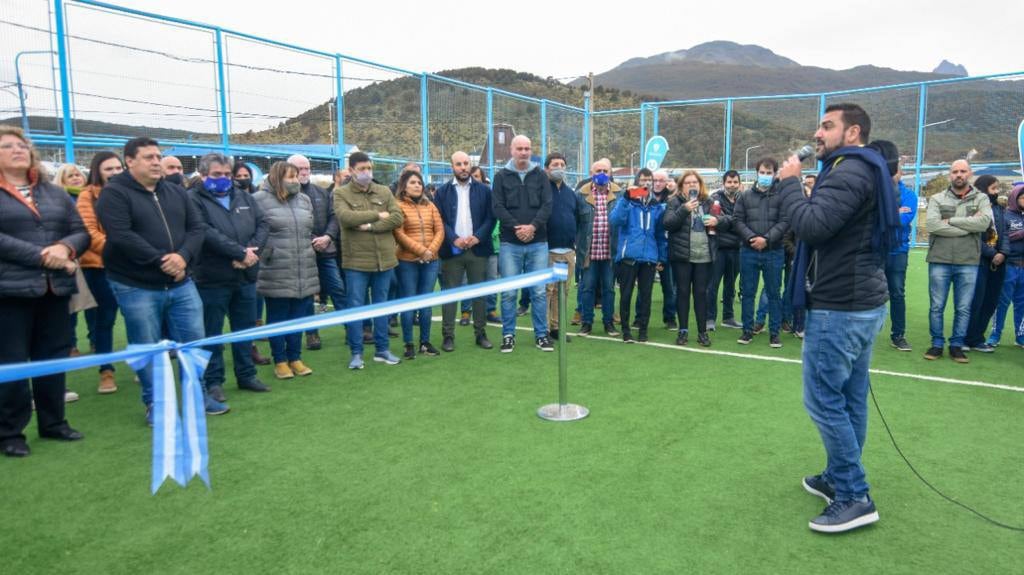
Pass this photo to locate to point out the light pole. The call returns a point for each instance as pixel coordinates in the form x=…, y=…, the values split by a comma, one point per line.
x=746, y=157
x=632, y=172
x=21, y=91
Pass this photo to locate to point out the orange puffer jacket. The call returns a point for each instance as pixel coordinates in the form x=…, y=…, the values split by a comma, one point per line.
x=87, y=198
x=422, y=230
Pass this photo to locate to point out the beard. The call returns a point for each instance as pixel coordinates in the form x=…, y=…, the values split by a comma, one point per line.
x=462, y=177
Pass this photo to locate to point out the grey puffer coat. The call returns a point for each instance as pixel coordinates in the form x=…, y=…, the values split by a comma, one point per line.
x=287, y=261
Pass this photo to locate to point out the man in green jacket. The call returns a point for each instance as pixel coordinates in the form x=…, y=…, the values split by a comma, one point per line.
x=956, y=219
x=367, y=214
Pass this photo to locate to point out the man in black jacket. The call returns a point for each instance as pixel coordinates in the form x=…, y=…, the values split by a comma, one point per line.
x=844, y=228
x=325, y=243
x=726, y=267
x=564, y=227
x=225, y=272
x=154, y=231
x=521, y=198
x=761, y=225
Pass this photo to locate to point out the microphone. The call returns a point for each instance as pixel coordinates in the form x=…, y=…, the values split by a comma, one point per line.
x=805, y=152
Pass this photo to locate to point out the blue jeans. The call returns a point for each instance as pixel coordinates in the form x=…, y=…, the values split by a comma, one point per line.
x=600, y=272
x=1013, y=292
x=330, y=284
x=724, y=271
x=287, y=347
x=669, y=301
x=836, y=357
x=105, y=311
x=147, y=313
x=239, y=306
x=357, y=283
x=752, y=265
x=787, y=298
x=415, y=278
x=896, y=277
x=516, y=259
x=962, y=277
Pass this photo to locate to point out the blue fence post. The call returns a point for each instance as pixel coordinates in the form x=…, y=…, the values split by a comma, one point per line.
x=922, y=117
x=490, y=133
x=339, y=109
x=425, y=127
x=543, y=129
x=588, y=153
x=821, y=112
x=727, y=162
x=65, y=82
x=222, y=84
x=643, y=136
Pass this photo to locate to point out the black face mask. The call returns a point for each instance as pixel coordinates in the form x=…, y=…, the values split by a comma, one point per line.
x=243, y=184
x=178, y=179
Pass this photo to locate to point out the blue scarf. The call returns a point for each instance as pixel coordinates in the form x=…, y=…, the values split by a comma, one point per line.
x=886, y=233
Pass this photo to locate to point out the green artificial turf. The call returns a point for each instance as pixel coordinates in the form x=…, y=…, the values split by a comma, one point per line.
x=689, y=462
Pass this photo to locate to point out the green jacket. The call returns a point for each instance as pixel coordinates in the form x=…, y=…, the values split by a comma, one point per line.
x=370, y=250
x=957, y=240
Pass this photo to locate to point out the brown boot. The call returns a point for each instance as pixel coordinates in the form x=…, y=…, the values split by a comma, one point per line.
x=107, y=383
x=313, y=342
x=257, y=358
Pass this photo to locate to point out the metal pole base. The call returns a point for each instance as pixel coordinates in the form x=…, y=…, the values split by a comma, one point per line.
x=562, y=412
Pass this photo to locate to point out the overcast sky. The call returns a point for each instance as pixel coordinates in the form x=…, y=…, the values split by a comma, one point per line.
x=571, y=38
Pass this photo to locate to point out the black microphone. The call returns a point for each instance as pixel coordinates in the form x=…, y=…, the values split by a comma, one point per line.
x=805, y=152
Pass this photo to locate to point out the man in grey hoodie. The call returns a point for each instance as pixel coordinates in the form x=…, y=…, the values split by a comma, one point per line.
x=956, y=219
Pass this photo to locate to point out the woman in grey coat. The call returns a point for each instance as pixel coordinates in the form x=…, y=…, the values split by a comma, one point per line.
x=288, y=275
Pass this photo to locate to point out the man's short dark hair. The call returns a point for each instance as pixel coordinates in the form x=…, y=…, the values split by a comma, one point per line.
x=356, y=158
x=853, y=115
x=552, y=157
x=644, y=172
x=770, y=162
x=131, y=147
x=889, y=152
x=730, y=174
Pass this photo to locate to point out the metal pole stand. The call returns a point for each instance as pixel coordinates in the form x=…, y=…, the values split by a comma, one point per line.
x=562, y=411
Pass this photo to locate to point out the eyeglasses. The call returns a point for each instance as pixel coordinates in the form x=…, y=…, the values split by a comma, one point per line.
x=14, y=145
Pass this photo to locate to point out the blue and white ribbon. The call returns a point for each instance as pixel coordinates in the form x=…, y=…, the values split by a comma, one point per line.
x=180, y=439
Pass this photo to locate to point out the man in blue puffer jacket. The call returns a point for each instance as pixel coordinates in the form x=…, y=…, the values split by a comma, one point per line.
x=641, y=250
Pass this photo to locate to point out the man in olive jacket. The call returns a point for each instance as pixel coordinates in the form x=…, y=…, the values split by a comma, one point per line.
x=368, y=214
x=956, y=219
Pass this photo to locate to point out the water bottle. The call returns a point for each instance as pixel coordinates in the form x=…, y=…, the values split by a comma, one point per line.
x=716, y=210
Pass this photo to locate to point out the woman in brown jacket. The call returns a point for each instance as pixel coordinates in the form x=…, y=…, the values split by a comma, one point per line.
x=104, y=165
x=419, y=239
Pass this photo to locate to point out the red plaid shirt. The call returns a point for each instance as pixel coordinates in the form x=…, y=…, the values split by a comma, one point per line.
x=600, y=249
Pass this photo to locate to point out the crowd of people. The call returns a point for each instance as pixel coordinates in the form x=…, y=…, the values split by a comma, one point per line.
x=176, y=257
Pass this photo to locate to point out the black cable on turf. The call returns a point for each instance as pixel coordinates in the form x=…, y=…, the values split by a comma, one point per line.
x=925, y=481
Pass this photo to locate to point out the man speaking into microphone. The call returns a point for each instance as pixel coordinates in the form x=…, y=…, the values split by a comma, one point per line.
x=845, y=228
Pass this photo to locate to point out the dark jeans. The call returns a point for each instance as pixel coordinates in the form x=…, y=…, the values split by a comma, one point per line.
x=598, y=275
x=239, y=306
x=987, y=289
x=287, y=347
x=641, y=275
x=896, y=277
x=35, y=329
x=669, y=303
x=90, y=323
x=415, y=278
x=691, y=277
x=725, y=270
x=752, y=265
x=105, y=311
x=331, y=284
x=472, y=268
x=378, y=284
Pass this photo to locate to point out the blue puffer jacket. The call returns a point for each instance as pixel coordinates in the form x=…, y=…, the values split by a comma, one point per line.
x=908, y=199
x=641, y=236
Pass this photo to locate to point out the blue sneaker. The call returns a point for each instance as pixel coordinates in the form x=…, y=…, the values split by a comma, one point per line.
x=214, y=407
x=842, y=516
x=357, y=362
x=386, y=357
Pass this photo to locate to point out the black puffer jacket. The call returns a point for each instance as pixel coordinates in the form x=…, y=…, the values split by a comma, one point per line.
x=728, y=237
x=520, y=202
x=24, y=234
x=228, y=233
x=759, y=213
x=324, y=222
x=836, y=223
x=677, y=221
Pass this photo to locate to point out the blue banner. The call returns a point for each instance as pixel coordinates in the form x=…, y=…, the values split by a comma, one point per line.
x=180, y=437
x=655, y=152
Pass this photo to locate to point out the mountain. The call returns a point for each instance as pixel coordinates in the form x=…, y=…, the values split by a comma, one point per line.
x=720, y=69
x=950, y=69
x=718, y=52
